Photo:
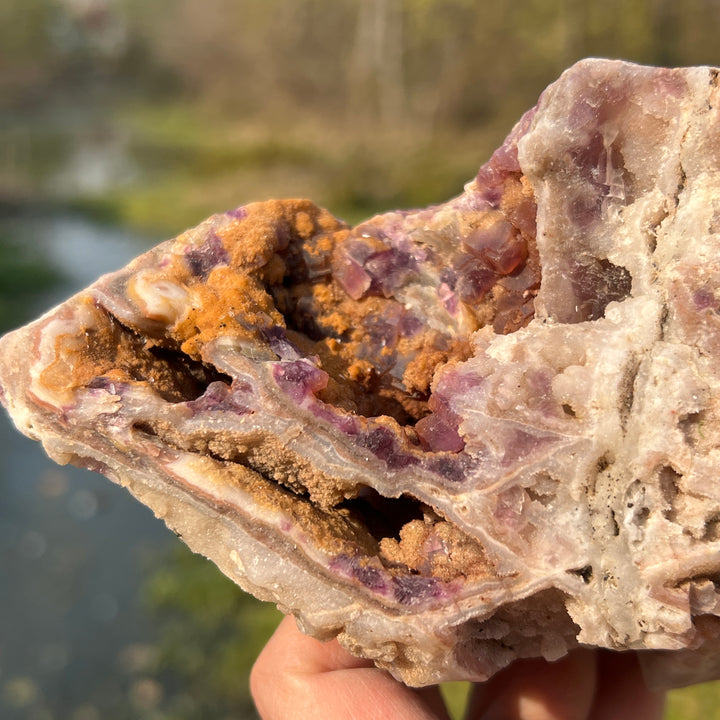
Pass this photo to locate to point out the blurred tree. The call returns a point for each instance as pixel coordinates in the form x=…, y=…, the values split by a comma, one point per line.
x=24, y=274
x=25, y=55
x=375, y=78
x=390, y=62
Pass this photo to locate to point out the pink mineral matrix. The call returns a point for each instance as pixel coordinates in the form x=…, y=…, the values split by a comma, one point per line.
x=450, y=437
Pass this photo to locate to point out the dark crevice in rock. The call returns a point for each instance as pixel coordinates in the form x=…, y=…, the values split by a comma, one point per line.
x=585, y=573
x=370, y=526
x=382, y=530
x=691, y=426
x=515, y=624
x=652, y=239
x=596, y=283
x=568, y=410
x=641, y=515
x=346, y=526
x=603, y=463
x=636, y=500
x=682, y=178
x=175, y=376
x=145, y=428
x=711, y=531
x=544, y=498
x=714, y=73
x=627, y=391
x=669, y=480
x=357, y=346
x=379, y=516
x=698, y=579
x=664, y=317
x=192, y=378
x=383, y=517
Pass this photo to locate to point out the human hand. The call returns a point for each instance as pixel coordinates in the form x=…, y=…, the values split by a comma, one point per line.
x=298, y=678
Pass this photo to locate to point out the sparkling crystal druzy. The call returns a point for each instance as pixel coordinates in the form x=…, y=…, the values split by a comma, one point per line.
x=450, y=437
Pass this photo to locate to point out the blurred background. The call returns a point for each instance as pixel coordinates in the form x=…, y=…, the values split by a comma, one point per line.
x=122, y=122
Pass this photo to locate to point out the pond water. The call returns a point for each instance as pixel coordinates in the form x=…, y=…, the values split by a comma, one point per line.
x=74, y=548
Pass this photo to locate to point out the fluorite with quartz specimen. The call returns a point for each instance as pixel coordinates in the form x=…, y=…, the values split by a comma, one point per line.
x=451, y=437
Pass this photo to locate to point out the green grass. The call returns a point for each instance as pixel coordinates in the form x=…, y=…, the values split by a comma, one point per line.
x=190, y=163
x=456, y=696
x=24, y=273
x=698, y=702
x=210, y=633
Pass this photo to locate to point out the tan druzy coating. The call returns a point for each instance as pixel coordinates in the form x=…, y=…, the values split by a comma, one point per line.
x=450, y=437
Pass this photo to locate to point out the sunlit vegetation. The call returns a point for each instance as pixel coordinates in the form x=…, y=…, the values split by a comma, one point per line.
x=23, y=275
x=210, y=633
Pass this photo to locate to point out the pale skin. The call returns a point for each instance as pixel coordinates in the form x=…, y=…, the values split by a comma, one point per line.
x=297, y=677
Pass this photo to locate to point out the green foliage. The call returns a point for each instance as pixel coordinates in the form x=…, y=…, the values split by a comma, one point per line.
x=24, y=273
x=23, y=31
x=456, y=695
x=221, y=102
x=210, y=633
x=701, y=702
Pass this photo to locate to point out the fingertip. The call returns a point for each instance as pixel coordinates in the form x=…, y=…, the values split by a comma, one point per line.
x=297, y=677
x=622, y=690
x=288, y=663
x=535, y=689
x=289, y=649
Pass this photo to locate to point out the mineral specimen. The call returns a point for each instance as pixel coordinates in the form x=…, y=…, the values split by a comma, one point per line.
x=450, y=437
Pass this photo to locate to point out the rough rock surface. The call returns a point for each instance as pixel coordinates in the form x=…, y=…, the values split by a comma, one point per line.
x=451, y=437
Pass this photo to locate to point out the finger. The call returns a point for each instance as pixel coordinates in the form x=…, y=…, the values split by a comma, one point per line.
x=538, y=690
x=622, y=691
x=297, y=677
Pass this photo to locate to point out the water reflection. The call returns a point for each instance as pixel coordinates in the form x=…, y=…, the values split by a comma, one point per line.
x=73, y=546
x=76, y=248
